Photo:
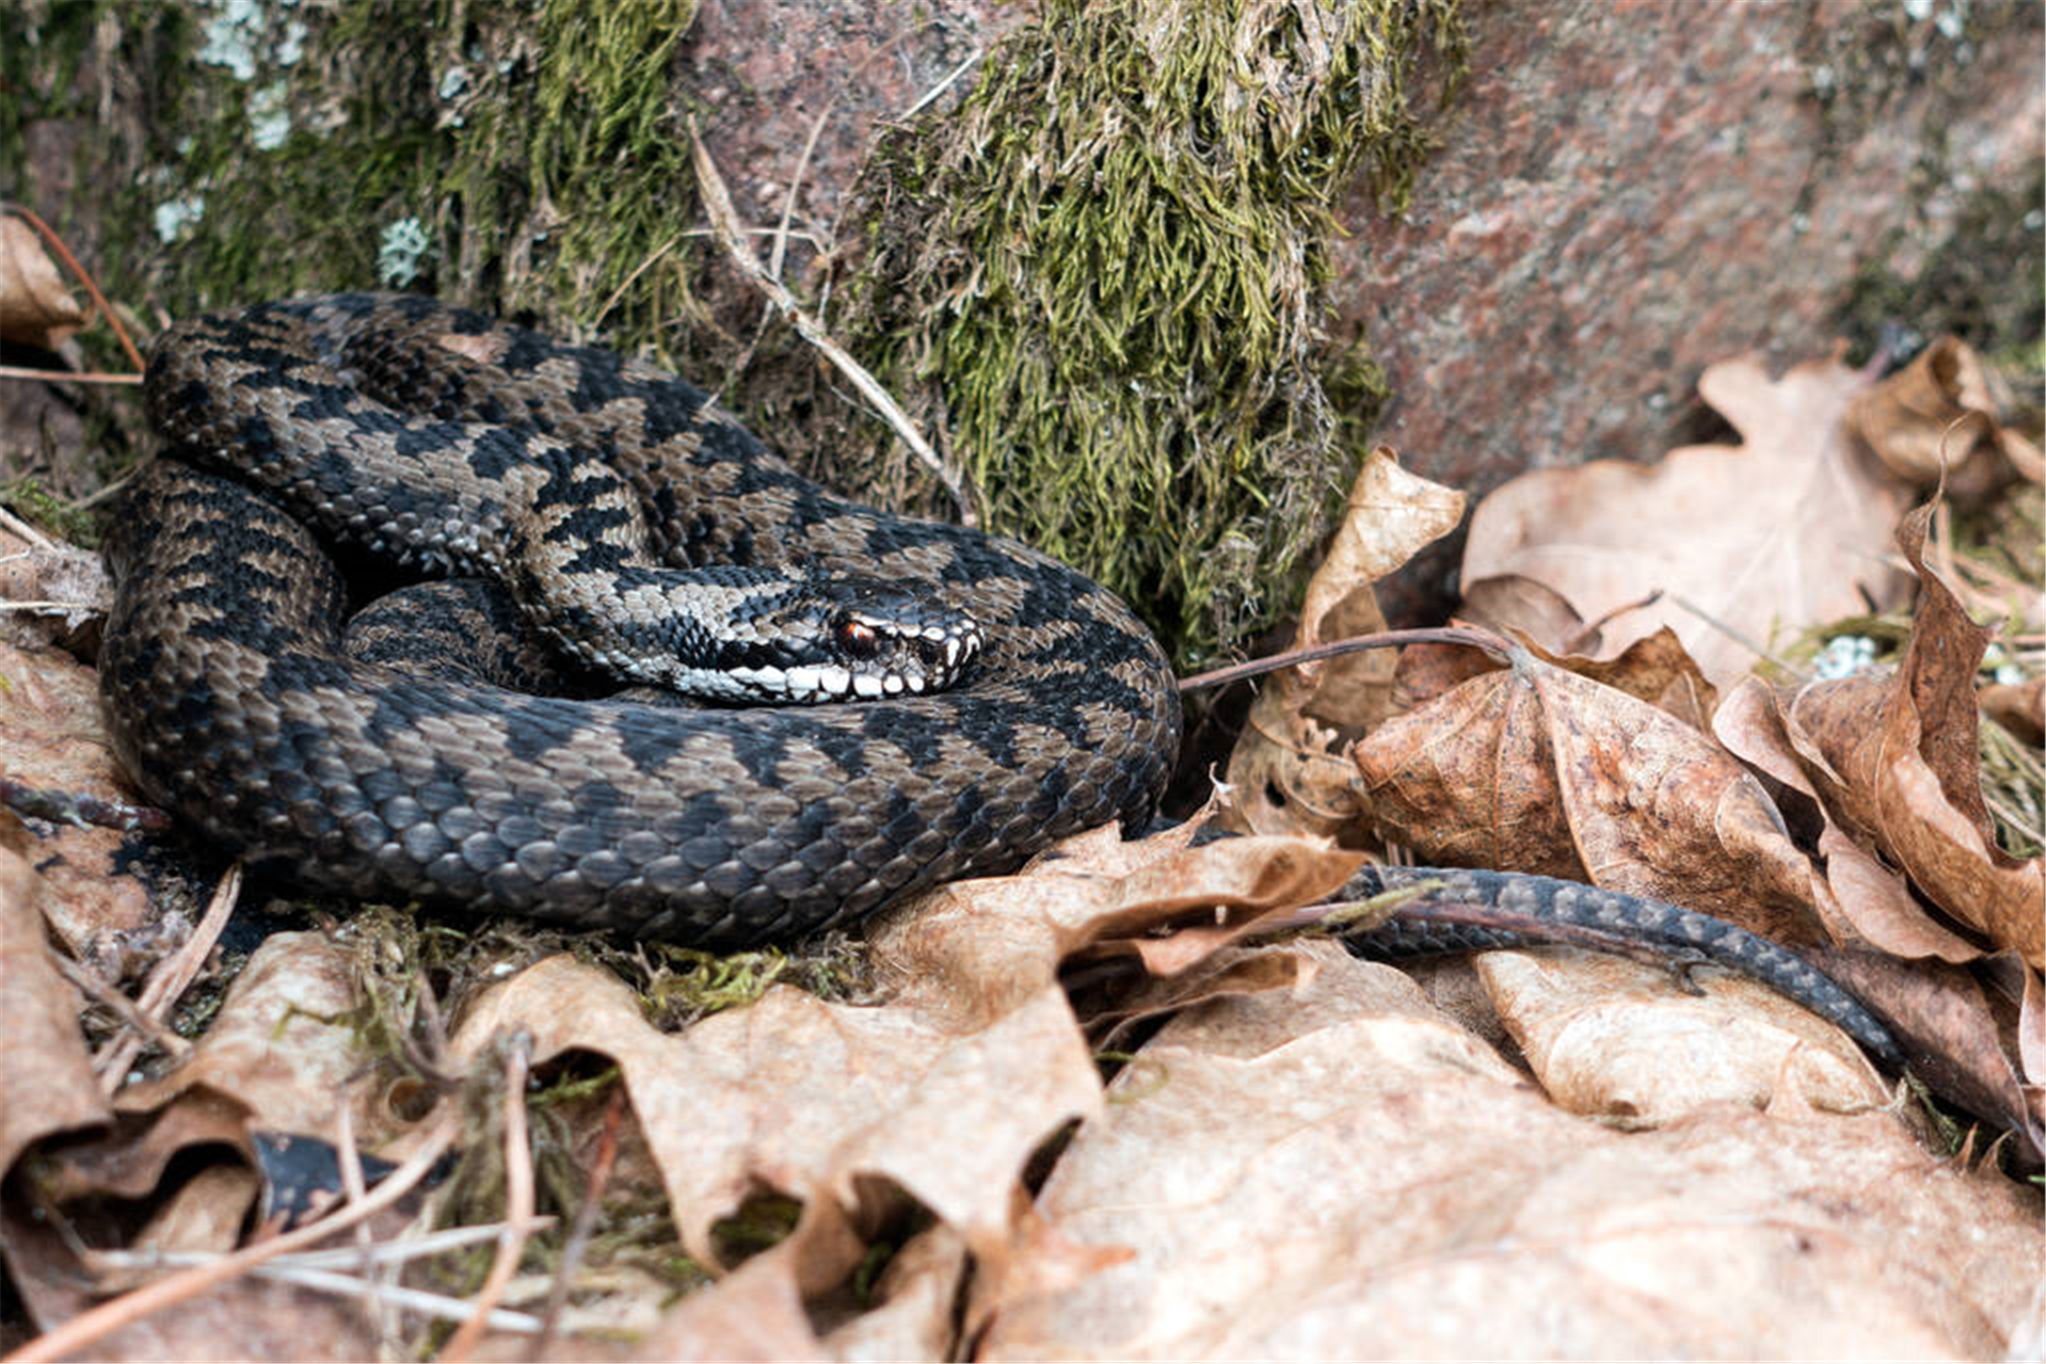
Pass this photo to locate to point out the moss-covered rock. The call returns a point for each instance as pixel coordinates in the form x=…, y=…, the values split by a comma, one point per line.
x=1100, y=277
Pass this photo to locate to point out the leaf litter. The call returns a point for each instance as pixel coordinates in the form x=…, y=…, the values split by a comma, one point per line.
x=1101, y=1107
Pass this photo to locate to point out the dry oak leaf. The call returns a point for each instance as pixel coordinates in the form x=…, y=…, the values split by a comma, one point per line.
x=35, y=308
x=1285, y=770
x=1936, y=420
x=46, y=1080
x=1894, y=759
x=1536, y=769
x=1351, y=1176
x=1787, y=529
x=51, y=736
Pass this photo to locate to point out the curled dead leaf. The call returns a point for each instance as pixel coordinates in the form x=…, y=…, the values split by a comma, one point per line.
x=1353, y=1176
x=1744, y=542
x=1895, y=760
x=35, y=308
x=1937, y=418
x=1286, y=772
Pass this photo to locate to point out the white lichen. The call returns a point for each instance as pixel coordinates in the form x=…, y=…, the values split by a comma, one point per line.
x=1844, y=656
x=401, y=251
x=174, y=217
x=269, y=117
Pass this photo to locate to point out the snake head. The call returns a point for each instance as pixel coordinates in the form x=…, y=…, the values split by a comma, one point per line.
x=842, y=638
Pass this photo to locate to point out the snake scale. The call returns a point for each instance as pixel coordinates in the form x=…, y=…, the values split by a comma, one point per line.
x=411, y=754
x=404, y=427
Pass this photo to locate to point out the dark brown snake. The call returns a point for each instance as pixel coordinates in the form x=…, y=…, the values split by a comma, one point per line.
x=406, y=427
x=403, y=759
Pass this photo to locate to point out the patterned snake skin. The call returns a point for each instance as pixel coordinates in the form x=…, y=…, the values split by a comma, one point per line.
x=410, y=430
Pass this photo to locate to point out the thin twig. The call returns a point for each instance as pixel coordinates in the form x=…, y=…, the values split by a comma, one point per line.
x=389, y=1295
x=82, y=1330
x=518, y=1193
x=585, y=1221
x=10, y=522
x=69, y=376
x=645, y=264
x=102, y=493
x=383, y=1253
x=1589, y=631
x=778, y=255
x=944, y=84
x=172, y=976
x=1737, y=637
x=1448, y=634
x=88, y=980
x=724, y=221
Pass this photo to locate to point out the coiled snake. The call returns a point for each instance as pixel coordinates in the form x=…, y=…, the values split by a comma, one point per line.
x=1006, y=701
x=438, y=439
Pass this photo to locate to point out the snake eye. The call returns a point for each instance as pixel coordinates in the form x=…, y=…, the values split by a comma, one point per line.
x=859, y=639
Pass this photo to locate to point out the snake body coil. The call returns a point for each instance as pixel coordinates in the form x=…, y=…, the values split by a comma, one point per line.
x=436, y=438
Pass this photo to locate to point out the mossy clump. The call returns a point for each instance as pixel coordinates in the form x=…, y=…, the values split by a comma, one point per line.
x=1103, y=276
x=521, y=155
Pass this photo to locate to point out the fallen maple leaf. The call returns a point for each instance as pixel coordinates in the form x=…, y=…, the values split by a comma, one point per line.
x=1744, y=542
x=1536, y=769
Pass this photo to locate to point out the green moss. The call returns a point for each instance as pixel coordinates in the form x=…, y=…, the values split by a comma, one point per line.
x=536, y=143
x=1104, y=275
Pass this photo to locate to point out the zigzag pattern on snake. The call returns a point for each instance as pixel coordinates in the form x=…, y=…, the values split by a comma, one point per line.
x=398, y=425
x=407, y=758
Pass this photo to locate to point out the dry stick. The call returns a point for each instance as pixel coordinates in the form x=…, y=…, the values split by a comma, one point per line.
x=645, y=265
x=69, y=376
x=724, y=222
x=518, y=1191
x=381, y=1254
x=349, y=1161
x=777, y=256
x=76, y=1334
x=944, y=84
x=170, y=978
x=585, y=1221
x=10, y=522
x=88, y=980
x=1737, y=637
x=1590, y=629
x=1492, y=644
x=99, y=300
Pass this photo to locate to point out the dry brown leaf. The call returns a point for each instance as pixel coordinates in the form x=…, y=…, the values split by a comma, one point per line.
x=1860, y=899
x=1284, y=771
x=1621, y=1041
x=246, y=1318
x=1894, y=759
x=2019, y=708
x=1786, y=530
x=74, y=582
x=51, y=737
x=1352, y=1177
x=1954, y=1033
x=35, y=308
x=1936, y=419
x=283, y=1046
x=44, y=1056
x=1535, y=769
